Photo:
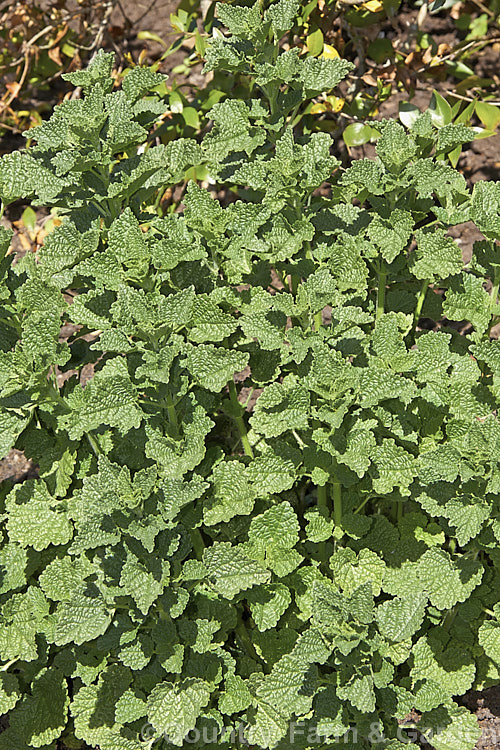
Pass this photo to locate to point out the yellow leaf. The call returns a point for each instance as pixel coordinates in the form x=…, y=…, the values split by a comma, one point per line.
x=68, y=49
x=318, y=108
x=329, y=52
x=374, y=6
x=337, y=103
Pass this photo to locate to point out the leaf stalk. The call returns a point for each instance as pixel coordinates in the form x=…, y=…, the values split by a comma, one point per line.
x=323, y=498
x=420, y=303
x=337, y=503
x=198, y=543
x=238, y=419
x=382, y=277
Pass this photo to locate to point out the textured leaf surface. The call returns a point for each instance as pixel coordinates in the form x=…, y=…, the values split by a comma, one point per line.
x=231, y=570
x=81, y=619
x=35, y=520
x=42, y=716
x=110, y=398
x=174, y=709
x=399, y=619
x=213, y=366
x=258, y=389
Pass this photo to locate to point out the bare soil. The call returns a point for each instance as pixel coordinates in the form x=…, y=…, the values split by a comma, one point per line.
x=486, y=706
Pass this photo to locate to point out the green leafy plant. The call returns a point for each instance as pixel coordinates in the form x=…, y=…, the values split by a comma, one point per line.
x=268, y=493
x=362, y=32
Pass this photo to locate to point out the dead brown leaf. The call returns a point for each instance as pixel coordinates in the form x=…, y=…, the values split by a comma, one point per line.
x=55, y=55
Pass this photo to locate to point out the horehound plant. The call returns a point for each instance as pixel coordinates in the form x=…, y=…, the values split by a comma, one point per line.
x=314, y=563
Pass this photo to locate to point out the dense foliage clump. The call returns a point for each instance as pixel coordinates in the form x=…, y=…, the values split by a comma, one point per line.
x=273, y=508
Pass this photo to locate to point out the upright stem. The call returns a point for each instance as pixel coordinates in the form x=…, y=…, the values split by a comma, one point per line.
x=381, y=293
x=197, y=542
x=397, y=511
x=337, y=504
x=449, y=619
x=309, y=254
x=322, y=503
x=94, y=444
x=318, y=320
x=240, y=424
x=294, y=114
x=494, y=290
x=54, y=394
x=323, y=498
x=172, y=414
x=294, y=283
x=12, y=324
x=362, y=504
x=246, y=641
x=53, y=377
x=420, y=304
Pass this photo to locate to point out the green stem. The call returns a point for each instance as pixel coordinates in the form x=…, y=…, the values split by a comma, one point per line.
x=323, y=508
x=323, y=498
x=197, y=542
x=240, y=424
x=337, y=504
x=318, y=320
x=449, y=619
x=397, y=511
x=252, y=390
x=53, y=377
x=382, y=276
x=494, y=291
x=495, y=320
x=94, y=444
x=172, y=414
x=11, y=324
x=362, y=505
x=52, y=392
x=8, y=665
x=420, y=304
x=100, y=209
x=271, y=93
x=246, y=641
x=293, y=114
x=299, y=439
